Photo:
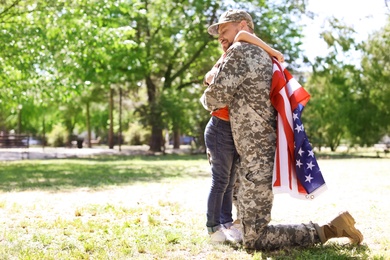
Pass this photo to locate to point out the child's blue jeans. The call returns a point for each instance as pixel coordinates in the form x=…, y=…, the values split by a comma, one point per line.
x=223, y=158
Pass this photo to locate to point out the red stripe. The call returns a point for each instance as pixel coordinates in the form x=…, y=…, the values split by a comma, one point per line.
x=277, y=182
x=282, y=80
x=300, y=96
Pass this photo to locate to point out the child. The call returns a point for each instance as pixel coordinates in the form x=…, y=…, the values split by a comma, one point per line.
x=223, y=157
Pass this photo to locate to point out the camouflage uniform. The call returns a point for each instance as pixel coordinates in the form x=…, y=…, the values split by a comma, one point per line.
x=243, y=83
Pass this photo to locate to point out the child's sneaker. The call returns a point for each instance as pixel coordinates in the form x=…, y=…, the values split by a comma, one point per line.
x=218, y=236
x=221, y=235
x=233, y=232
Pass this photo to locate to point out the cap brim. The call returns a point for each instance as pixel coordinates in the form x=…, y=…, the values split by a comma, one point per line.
x=213, y=29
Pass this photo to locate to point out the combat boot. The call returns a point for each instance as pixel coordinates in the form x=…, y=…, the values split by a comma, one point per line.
x=342, y=226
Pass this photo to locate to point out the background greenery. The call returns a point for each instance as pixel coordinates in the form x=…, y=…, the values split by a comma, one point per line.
x=134, y=68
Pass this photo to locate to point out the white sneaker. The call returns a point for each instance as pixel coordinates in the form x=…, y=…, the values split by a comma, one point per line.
x=237, y=225
x=235, y=232
x=222, y=235
x=218, y=236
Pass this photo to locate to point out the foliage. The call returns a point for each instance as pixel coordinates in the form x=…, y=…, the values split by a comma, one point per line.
x=61, y=61
x=174, y=35
x=348, y=102
x=375, y=91
x=136, y=135
x=58, y=136
x=327, y=112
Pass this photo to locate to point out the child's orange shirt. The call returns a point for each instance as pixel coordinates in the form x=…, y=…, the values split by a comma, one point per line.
x=222, y=113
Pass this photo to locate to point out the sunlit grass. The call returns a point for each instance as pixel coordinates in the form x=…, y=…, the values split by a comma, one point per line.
x=146, y=210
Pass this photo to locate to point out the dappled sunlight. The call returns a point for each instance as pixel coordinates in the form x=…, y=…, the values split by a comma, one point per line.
x=157, y=208
x=56, y=175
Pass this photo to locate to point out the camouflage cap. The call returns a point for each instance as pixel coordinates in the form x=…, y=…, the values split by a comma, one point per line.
x=229, y=17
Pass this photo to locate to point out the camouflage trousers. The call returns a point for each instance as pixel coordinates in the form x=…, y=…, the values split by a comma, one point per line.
x=254, y=202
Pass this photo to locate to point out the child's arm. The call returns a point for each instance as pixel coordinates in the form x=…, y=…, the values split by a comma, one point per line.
x=253, y=39
x=210, y=75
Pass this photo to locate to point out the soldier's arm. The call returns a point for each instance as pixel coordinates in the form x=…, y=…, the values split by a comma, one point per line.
x=253, y=39
x=232, y=73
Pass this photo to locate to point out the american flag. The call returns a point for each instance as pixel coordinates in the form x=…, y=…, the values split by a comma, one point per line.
x=296, y=170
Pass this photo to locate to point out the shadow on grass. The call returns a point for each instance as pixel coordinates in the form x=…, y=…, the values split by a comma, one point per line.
x=331, y=250
x=149, y=158
x=99, y=172
x=343, y=155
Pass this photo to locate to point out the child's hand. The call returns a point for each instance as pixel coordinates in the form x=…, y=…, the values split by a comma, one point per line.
x=278, y=55
x=210, y=75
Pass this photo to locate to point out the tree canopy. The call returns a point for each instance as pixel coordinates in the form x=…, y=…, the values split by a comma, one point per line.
x=77, y=65
x=350, y=101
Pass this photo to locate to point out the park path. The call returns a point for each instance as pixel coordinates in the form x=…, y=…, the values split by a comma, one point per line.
x=39, y=153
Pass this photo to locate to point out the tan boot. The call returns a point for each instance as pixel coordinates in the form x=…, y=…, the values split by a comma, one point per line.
x=342, y=226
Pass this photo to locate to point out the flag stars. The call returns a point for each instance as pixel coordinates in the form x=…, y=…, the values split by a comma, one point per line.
x=311, y=153
x=310, y=165
x=299, y=164
x=295, y=116
x=299, y=128
x=308, y=178
x=300, y=151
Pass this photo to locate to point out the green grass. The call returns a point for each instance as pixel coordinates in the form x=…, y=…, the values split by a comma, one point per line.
x=97, y=173
x=153, y=207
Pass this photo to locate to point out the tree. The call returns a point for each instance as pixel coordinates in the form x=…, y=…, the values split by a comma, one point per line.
x=22, y=48
x=332, y=104
x=349, y=101
x=74, y=55
x=374, y=121
x=174, y=48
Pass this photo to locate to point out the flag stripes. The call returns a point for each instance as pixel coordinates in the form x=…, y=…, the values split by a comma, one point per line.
x=303, y=178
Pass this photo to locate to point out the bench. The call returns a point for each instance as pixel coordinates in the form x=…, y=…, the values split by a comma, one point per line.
x=14, y=141
x=382, y=148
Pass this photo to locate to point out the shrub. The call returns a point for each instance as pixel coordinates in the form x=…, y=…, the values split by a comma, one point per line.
x=137, y=134
x=58, y=136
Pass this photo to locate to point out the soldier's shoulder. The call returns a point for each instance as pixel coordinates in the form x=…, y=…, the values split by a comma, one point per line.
x=241, y=46
x=252, y=53
x=246, y=47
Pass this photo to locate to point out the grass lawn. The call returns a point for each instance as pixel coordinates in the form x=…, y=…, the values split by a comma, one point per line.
x=153, y=207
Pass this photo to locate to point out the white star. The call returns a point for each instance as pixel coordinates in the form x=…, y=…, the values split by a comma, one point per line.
x=299, y=163
x=299, y=128
x=300, y=151
x=295, y=116
x=311, y=153
x=308, y=178
x=310, y=165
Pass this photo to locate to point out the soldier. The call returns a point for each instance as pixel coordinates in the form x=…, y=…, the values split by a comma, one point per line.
x=223, y=158
x=243, y=83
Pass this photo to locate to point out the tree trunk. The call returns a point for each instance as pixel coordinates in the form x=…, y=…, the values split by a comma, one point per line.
x=19, y=130
x=120, y=120
x=200, y=142
x=43, y=132
x=176, y=138
x=156, y=140
x=89, y=126
x=155, y=120
x=111, y=127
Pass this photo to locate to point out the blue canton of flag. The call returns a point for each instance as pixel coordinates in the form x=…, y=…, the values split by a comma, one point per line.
x=307, y=169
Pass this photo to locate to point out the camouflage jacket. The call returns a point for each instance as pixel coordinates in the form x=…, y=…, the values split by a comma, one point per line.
x=243, y=83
